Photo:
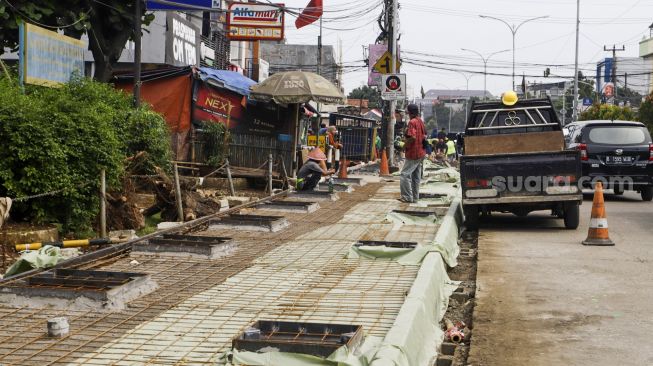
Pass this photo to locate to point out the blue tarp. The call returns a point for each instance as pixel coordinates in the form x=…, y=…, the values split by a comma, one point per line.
x=229, y=80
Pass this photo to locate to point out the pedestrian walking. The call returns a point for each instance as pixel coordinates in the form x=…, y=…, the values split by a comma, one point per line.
x=411, y=173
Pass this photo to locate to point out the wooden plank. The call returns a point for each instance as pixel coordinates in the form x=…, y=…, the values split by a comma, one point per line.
x=549, y=141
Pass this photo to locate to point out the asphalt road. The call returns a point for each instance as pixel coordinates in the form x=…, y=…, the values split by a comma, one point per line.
x=545, y=299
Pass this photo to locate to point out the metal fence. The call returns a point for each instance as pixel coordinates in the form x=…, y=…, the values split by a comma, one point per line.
x=252, y=151
x=357, y=135
x=247, y=151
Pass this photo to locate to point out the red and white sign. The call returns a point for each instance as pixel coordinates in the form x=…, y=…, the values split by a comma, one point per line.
x=393, y=87
x=253, y=22
x=220, y=106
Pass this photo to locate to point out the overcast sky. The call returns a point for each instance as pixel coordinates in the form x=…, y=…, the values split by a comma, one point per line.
x=439, y=29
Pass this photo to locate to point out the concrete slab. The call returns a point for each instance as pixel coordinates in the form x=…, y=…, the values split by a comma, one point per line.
x=313, y=196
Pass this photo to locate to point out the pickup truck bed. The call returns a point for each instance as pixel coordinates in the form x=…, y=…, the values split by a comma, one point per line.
x=515, y=162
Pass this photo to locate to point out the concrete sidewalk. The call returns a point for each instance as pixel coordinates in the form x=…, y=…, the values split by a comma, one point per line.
x=545, y=299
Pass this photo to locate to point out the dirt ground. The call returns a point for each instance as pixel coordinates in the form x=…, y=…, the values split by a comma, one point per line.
x=461, y=304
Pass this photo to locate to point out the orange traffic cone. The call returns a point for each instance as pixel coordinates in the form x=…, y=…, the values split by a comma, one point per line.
x=598, y=231
x=384, y=168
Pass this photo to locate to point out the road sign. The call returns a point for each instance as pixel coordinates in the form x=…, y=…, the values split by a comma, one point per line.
x=587, y=102
x=179, y=5
x=384, y=64
x=393, y=86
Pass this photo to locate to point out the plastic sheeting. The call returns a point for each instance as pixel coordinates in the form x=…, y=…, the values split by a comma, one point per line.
x=226, y=79
x=341, y=357
x=413, y=338
x=405, y=219
x=46, y=257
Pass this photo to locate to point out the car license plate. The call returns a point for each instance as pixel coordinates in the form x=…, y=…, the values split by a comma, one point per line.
x=618, y=159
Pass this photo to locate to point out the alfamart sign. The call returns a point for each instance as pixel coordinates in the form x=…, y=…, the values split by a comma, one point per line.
x=253, y=22
x=48, y=58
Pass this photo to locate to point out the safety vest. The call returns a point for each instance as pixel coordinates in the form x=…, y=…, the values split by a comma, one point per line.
x=451, y=147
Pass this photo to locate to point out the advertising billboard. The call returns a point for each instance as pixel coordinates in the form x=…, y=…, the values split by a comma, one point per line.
x=48, y=58
x=255, y=22
x=182, y=41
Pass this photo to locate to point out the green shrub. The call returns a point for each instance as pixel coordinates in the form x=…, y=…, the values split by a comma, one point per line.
x=61, y=138
x=216, y=142
x=608, y=112
x=646, y=112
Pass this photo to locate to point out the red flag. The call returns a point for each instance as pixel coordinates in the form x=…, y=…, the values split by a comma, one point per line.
x=311, y=13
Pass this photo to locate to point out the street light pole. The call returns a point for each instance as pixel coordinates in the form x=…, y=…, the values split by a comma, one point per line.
x=574, y=117
x=513, y=30
x=467, y=91
x=485, y=61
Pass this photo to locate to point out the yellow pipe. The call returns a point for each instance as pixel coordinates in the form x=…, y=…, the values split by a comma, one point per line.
x=66, y=244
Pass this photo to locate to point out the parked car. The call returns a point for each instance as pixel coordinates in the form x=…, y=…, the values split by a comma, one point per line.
x=619, y=153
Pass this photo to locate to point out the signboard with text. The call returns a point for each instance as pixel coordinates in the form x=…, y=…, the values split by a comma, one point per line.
x=48, y=58
x=182, y=41
x=220, y=106
x=255, y=22
x=393, y=87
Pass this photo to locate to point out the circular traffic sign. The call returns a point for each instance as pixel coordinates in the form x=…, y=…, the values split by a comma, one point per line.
x=393, y=83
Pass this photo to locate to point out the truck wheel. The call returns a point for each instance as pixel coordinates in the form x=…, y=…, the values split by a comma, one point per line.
x=647, y=193
x=471, y=217
x=572, y=217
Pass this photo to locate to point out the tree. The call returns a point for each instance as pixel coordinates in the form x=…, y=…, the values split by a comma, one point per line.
x=608, y=112
x=109, y=25
x=646, y=112
x=366, y=92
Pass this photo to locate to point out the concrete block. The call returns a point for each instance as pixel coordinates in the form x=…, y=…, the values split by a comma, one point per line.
x=448, y=348
x=444, y=360
x=58, y=327
x=224, y=205
x=167, y=225
x=314, y=196
x=123, y=234
x=234, y=201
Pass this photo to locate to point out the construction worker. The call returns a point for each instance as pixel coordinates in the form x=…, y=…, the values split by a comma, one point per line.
x=411, y=173
x=333, y=149
x=310, y=173
x=451, y=150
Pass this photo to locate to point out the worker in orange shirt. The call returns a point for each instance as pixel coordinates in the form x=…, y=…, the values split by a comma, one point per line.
x=333, y=148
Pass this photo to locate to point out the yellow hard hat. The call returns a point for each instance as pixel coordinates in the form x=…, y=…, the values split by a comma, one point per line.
x=509, y=98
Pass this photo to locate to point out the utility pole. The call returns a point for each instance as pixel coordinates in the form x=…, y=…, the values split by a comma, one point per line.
x=319, y=50
x=574, y=115
x=614, y=50
x=392, y=49
x=137, y=53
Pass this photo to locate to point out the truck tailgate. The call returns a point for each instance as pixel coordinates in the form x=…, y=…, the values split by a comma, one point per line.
x=519, y=175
